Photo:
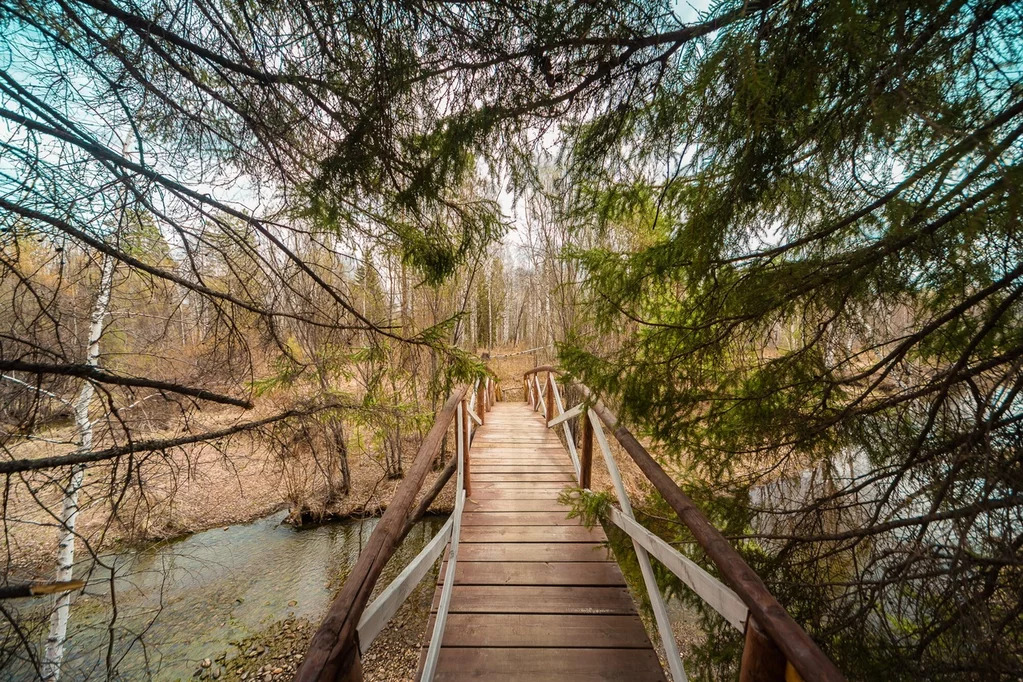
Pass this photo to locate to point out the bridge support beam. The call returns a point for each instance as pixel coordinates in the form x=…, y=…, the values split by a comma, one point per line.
x=466, y=469
x=586, y=454
x=549, y=399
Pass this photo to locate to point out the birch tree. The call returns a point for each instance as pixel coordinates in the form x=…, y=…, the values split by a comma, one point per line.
x=54, y=652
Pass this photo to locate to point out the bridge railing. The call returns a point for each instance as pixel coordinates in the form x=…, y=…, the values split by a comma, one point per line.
x=776, y=647
x=352, y=622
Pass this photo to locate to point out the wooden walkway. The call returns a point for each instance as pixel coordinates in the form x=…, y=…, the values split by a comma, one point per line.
x=536, y=596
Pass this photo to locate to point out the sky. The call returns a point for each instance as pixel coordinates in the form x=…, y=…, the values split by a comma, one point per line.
x=22, y=58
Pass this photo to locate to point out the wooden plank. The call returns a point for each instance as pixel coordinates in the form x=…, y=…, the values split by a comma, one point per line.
x=549, y=454
x=534, y=573
x=505, y=505
x=586, y=457
x=508, y=478
x=539, y=599
x=565, y=416
x=518, y=465
x=554, y=450
x=534, y=551
x=524, y=470
x=531, y=462
x=549, y=665
x=511, y=442
x=505, y=485
x=531, y=534
x=524, y=461
x=498, y=493
x=552, y=630
x=519, y=518
x=513, y=438
x=532, y=455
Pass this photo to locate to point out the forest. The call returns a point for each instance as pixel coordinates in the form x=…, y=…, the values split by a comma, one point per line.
x=249, y=248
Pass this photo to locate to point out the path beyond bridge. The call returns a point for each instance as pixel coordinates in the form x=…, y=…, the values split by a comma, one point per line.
x=536, y=594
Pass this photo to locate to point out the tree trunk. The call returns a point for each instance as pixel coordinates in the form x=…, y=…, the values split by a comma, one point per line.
x=54, y=654
x=341, y=452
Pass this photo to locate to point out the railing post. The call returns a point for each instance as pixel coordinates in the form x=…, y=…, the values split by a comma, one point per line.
x=333, y=652
x=466, y=469
x=481, y=402
x=801, y=654
x=550, y=396
x=762, y=660
x=657, y=605
x=527, y=391
x=586, y=457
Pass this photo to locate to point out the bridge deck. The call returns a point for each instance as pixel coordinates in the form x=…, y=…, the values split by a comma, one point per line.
x=536, y=596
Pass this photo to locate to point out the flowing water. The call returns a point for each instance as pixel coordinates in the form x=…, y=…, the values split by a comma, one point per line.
x=179, y=602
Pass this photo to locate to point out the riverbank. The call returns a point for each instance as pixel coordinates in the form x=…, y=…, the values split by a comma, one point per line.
x=171, y=495
x=276, y=653
x=226, y=602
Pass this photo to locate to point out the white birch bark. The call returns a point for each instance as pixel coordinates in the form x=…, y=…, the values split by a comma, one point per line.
x=54, y=653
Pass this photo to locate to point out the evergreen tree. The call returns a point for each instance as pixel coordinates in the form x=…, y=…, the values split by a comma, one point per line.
x=823, y=272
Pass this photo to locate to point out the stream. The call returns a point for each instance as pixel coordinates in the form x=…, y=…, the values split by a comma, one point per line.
x=181, y=601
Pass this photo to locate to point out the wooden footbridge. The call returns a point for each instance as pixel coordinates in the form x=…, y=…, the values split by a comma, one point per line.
x=536, y=595
x=526, y=593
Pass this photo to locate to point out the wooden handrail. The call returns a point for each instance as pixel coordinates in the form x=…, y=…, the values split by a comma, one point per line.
x=542, y=368
x=333, y=651
x=799, y=648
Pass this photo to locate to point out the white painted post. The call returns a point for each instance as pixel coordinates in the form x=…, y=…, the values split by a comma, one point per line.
x=378, y=614
x=678, y=673
x=540, y=402
x=437, y=637
x=568, y=432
